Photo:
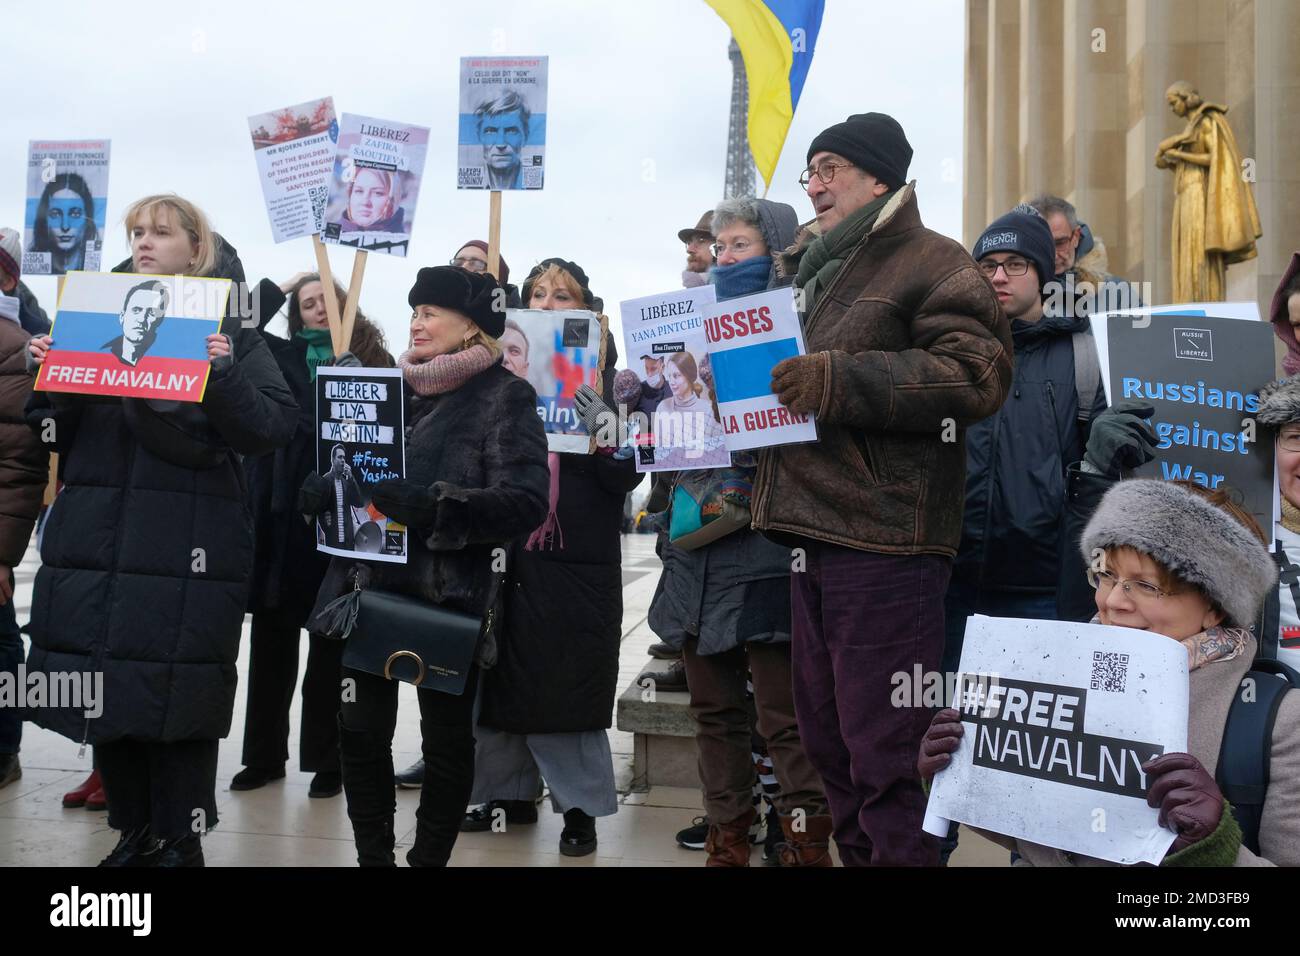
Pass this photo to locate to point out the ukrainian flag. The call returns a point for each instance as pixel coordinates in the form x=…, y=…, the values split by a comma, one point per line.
x=776, y=40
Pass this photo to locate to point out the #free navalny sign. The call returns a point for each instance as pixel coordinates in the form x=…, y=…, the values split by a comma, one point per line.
x=133, y=336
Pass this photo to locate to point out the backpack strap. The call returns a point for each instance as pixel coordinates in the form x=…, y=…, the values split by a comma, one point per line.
x=1247, y=745
x=1087, y=372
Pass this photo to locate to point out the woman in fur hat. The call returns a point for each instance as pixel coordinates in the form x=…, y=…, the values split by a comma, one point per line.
x=1279, y=630
x=1176, y=559
x=475, y=479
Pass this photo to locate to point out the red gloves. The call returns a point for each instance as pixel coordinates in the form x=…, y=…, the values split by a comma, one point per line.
x=1189, y=800
x=939, y=742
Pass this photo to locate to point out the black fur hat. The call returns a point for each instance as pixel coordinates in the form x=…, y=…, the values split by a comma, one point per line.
x=473, y=294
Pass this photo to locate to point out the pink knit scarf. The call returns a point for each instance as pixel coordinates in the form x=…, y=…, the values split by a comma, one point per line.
x=444, y=373
x=544, y=537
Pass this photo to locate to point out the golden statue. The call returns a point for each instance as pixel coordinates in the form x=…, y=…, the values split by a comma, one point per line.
x=1215, y=219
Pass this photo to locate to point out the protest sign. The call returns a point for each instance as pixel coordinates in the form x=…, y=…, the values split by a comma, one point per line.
x=501, y=139
x=557, y=351
x=1059, y=718
x=1201, y=366
x=375, y=184
x=67, y=201
x=294, y=148
x=681, y=430
x=747, y=336
x=360, y=441
x=134, y=336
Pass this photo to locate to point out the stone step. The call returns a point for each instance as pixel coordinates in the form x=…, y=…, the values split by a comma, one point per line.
x=664, y=750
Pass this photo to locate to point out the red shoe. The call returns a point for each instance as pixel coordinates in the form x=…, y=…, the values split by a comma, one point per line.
x=77, y=798
x=97, y=800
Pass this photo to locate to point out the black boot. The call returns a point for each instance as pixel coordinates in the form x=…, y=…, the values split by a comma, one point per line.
x=129, y=848
x=578, y=838
x=185, y=851
x=367, y=764
x=448, y=781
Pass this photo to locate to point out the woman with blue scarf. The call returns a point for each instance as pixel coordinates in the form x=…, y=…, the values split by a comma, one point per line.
x=727, y=606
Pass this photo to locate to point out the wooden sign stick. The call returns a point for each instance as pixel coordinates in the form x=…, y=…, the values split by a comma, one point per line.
x=331, y=303
x=354, y=293
x=494, y=234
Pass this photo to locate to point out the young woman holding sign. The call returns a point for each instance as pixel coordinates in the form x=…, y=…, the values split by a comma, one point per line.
x=475, y=479
x=1175, y=559
x=287, y=568
x=146, y=556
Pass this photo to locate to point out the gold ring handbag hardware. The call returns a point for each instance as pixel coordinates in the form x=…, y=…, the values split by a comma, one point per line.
x=388, y=665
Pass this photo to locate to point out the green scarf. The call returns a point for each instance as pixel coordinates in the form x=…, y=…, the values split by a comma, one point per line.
x=822, y=259
x=320, y=351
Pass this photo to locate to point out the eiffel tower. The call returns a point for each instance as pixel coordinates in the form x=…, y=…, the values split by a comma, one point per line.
x=740, y=163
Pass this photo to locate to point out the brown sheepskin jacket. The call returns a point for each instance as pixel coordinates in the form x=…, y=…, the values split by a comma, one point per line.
x=916, y=348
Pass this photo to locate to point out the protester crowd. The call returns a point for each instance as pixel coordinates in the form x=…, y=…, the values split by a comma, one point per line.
x=841, y=563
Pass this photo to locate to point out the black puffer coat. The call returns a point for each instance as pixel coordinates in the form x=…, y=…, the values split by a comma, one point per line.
x=482, y=450
x=557, y=670
x=1016, y=462
x=146, y=553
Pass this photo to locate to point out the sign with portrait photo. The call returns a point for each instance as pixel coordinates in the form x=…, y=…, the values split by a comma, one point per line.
x=133, y=336
x=294, y=148
x=360, y=441
x=1059, y=719
x=502, y=126
x=67, y=202
x=375, y=184
x=557, y=351
x=680, y=428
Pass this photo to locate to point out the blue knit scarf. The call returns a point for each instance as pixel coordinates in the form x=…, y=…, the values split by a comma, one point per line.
x=743, y=278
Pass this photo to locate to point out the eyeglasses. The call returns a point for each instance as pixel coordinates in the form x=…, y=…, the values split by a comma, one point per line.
x=825, y=172
x=1141, y=591
x=1012, y=267
x=1064, y=242
x=473, y=265
x=739, y=247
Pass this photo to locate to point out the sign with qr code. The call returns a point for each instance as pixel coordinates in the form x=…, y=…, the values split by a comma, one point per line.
x=501, y=134
x=67, y=200
x=294, y=148
x=1059, y=719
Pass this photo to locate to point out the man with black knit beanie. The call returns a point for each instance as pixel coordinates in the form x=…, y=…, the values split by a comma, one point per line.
x=907, y=347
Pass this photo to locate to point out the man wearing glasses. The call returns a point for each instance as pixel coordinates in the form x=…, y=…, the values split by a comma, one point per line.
x=907, y=347
x=1081, y=256
x=474, y=257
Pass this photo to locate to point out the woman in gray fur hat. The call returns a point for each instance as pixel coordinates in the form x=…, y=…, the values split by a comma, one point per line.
x=1176, y=559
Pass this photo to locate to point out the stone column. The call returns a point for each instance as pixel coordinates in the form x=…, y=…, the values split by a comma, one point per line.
x=1094, y=119
x=1003, y=173
x=976, y=158
x=1040, y=99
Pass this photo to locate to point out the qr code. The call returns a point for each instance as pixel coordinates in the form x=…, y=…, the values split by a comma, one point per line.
x=1109, y=671
x=318, y=195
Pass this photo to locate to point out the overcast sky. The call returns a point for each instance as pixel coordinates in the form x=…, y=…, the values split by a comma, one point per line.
x=636, y=119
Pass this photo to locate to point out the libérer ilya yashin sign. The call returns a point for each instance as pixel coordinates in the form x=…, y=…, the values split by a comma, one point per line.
x=1059, y=719
x=133, y=336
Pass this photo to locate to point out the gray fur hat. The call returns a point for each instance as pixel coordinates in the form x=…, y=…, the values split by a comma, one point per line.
x=1196, y=541
x=1279, y=402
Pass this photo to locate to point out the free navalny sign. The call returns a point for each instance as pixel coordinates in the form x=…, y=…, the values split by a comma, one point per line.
x=133, y=336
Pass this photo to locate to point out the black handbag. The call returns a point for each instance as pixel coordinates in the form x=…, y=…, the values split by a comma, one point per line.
x=403, y=638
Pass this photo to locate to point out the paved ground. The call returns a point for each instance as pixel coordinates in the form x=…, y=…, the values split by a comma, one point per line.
x=279, y=826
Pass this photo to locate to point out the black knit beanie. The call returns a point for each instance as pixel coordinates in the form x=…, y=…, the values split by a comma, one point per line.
x=572, y=268
x=1024, y=234
x=871, y=141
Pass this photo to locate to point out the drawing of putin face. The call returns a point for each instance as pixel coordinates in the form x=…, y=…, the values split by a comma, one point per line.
x=143, y=312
